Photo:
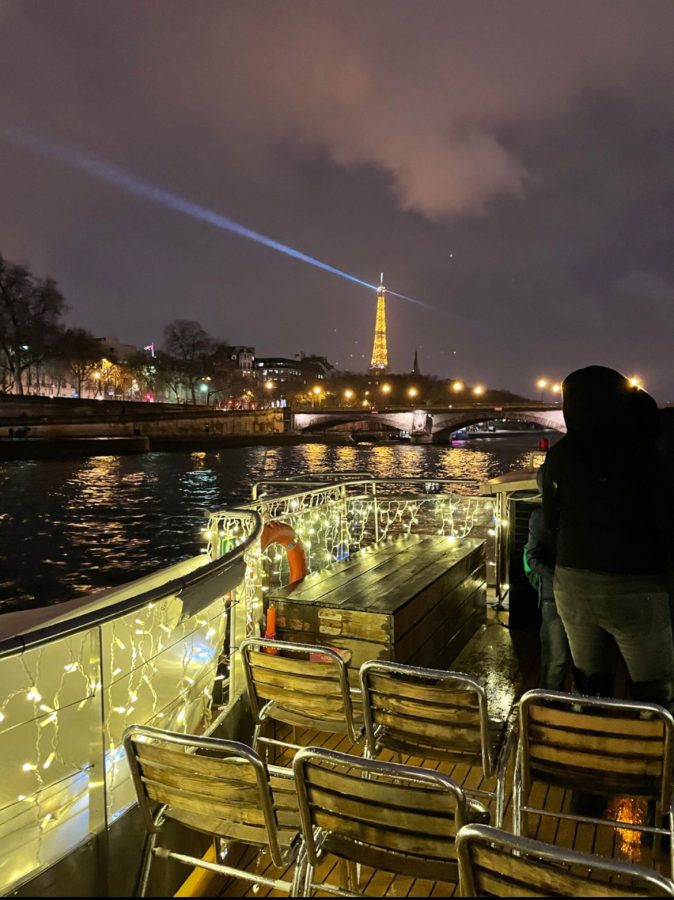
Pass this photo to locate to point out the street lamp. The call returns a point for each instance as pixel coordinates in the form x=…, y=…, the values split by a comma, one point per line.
x=386, y=389
x=556, y=389
x=458, y=386
x=348, y=395
x=317, y=391
x=541, y=384
x=412, y=393
x=478, y=390
x=636, y=382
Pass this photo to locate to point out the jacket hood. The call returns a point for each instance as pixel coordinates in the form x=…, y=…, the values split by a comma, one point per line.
x=597, y=399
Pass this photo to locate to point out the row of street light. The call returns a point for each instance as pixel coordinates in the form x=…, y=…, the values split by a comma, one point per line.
x=412, y=393
x=546, y=383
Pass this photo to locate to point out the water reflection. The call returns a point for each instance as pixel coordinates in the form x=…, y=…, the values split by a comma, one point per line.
x=70, y=526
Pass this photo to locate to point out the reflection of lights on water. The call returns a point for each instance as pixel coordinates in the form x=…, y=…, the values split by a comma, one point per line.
x=633, y=811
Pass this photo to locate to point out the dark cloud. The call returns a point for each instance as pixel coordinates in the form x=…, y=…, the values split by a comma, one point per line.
x=529, y=140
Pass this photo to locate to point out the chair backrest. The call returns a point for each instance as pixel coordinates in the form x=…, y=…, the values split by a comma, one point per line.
x=313, y=691
x=401, y=819
x=426, y=712
x=215, y=786
x=597, y=745
x=493, y=863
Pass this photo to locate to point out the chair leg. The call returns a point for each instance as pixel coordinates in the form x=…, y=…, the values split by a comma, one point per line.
x=348, y=875
x=500, y=799
x=256, y=737
x=670, y=818
x=517, y=803
x=352, y=876
x=146, y=863
x=303, y=878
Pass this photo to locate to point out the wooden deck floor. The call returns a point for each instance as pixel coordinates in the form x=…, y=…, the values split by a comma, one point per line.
x=507, y=664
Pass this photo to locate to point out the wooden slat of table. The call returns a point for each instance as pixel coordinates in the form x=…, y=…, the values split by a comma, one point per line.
x=382, y=557
x=429, y=569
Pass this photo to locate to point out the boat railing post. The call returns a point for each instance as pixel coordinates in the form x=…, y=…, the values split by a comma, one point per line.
x=99, y=807
x=375, y=505
x=498, y=549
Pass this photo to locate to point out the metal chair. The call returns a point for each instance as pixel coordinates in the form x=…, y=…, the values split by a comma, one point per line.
x=434, y=714
x=611, y=748
x=218, y=787
x=401, y=819
x=289, y=686
x=493, y=863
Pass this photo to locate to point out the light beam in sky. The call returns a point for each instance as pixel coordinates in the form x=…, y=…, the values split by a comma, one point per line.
x=133, y=184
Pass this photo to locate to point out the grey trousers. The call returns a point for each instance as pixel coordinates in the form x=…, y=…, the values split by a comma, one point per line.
x=633, y=610
x=555, y=655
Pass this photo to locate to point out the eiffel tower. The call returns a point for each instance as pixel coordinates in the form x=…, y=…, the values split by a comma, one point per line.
x=379, y=361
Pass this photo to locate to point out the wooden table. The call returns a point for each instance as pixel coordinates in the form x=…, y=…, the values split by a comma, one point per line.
x=416, y=600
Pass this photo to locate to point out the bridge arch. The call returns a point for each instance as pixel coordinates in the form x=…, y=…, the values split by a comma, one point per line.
x=428, y=422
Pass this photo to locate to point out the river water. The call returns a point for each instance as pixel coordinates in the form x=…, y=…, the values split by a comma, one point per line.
x=71, y=526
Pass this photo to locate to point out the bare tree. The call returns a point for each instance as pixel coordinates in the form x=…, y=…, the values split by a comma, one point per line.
x=80, y=353
x=30, y=321
x=188, y=351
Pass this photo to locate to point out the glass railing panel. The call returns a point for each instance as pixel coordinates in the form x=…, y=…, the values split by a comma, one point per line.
x=31, y=841
x=188, y=712
x=51, y=754
x=154, y=661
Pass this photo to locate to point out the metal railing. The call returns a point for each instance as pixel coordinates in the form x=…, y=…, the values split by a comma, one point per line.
x=337, y=514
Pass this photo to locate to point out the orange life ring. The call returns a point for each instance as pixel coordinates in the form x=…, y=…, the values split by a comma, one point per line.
x=283, y=534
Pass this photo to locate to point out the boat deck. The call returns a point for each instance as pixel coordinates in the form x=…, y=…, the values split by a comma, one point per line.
x=507, y=663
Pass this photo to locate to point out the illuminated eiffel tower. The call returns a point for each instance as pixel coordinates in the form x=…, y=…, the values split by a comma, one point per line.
x=379, y=361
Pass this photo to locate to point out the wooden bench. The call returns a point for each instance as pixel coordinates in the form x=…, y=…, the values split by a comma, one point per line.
x=417, y=600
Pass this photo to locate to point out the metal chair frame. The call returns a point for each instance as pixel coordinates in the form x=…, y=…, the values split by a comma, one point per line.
x=155, y=813
x=493, y=766
x=664, y=802
x=314, y=837
x=265, y=713
x=550, y=860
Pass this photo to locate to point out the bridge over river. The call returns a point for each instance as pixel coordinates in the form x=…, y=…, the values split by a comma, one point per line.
x=434, y=425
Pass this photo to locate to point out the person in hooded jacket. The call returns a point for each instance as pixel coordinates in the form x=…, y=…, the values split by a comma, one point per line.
x=540, y=554
x=606, y=497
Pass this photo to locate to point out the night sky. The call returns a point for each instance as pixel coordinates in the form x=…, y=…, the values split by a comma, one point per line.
x=511, y=164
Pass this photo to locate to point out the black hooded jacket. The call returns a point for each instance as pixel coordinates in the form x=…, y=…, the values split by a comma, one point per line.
x=605, y=492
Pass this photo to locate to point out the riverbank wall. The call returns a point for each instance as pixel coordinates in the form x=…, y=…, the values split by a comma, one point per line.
x=60, y=448
x=45, y=417
x=44, y=428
